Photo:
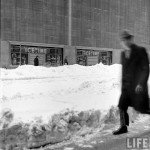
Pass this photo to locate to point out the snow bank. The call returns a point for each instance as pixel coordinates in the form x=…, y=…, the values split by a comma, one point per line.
x=31, y=91
x=40, y=91
x=32, y=72
x=60, y=127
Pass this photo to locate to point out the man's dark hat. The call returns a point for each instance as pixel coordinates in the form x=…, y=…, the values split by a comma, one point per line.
x=126, y=35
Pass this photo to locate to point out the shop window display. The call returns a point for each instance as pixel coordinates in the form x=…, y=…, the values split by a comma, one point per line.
x=15, y=58
x=21, y=55
x=18, y=55
x=105, y=57
x=81, y=57
x=91, y=57
x=54, y=56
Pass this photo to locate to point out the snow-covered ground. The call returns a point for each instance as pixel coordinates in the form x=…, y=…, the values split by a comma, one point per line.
x=31, y=91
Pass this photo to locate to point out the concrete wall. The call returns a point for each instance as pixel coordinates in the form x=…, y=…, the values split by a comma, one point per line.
x=70, y=52
x=38, y=21
x=98, y=23
x=95, y=23
x=116, y=56
x=4, y=51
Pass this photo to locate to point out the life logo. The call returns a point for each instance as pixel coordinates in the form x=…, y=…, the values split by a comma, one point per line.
x=138, y=143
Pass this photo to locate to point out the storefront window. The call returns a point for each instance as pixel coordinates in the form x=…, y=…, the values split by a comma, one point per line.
x=24, y=58
x=81, y=57
x=15, y=58
x=105, y=57
x=54, y=56
x=91, y=57
x=15, y=55
x=18, y=55
x=22, y=54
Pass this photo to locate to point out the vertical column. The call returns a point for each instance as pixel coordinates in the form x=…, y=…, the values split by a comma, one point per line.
x=70, y=22
x=148, y=6
x=20, y=54
x=4, y=54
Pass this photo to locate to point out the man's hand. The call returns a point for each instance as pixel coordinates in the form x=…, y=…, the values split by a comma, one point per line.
x=138, y=89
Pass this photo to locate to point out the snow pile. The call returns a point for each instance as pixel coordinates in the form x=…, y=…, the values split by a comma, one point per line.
x=32, y=72
x=36, y=133
x=31, y=91
x=39, y=91
x=60, y=127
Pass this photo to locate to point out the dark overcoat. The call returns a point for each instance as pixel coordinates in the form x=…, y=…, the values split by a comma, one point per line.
x=36, y=61
x=135, y=70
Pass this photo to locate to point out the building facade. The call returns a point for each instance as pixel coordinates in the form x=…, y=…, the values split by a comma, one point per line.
x=86, y=31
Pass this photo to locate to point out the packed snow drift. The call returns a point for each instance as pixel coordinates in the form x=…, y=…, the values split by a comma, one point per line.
x=31, y=91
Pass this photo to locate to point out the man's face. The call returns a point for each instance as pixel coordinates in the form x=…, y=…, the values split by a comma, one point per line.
x=125, y=43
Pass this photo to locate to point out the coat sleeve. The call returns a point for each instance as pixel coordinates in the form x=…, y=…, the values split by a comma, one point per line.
x=144, y=67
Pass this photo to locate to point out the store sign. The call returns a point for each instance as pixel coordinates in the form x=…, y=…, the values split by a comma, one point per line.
x=92, y=53
x=35, y=50
x=88, y=52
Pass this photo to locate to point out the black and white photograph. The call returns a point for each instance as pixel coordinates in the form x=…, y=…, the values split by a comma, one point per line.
x=74, y=75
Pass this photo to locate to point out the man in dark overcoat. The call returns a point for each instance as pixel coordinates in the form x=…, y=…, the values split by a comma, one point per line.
x=135, y=73
x=36, y=61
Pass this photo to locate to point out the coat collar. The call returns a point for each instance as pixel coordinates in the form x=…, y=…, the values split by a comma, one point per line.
x=133, y=54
